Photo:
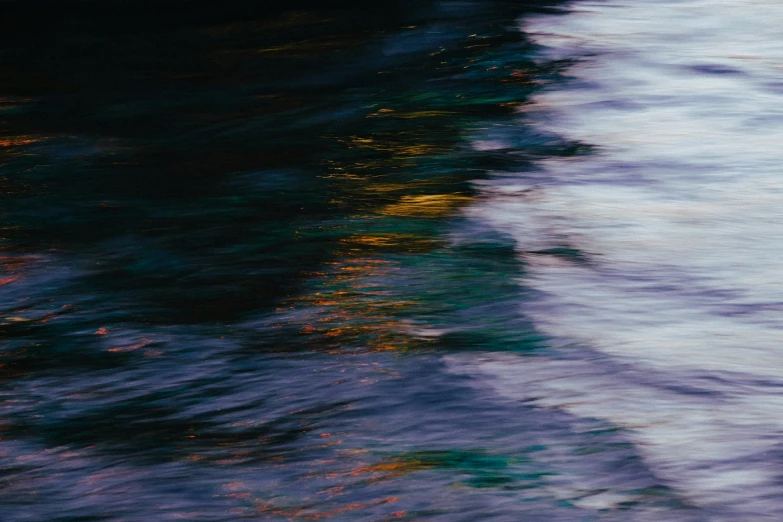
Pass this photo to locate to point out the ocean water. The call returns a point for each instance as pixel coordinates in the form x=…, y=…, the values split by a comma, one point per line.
x=667, y=323
x=444, y=261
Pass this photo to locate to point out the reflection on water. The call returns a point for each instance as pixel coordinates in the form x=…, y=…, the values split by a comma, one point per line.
x=238, y=243
x=233, y=254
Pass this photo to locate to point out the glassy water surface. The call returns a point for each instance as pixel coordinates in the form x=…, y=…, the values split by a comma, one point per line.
x=454, y=261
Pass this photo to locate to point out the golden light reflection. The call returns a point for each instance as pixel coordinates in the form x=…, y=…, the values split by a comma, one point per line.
x=435, y=205
x=305, y=512
x=415, y=184
x=395, y=242
x=12, y=269
x=129, y=348
x=359, y=301
x=364, y=473
x=9, y=103
x=401, y=144
x=353, y=306
x=520, y=76
x=17, y=141
x=26, y=314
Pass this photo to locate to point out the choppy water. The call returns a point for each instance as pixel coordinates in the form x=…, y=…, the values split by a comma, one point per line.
x=668, y=323
x=454, y=261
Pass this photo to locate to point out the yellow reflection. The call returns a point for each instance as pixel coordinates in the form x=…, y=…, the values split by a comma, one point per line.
x=352, y=307
x=307, y=512
x=387, y=469
x=16, y=141
x=400, y=242
x=394, y=467
x=399, y=187
x=399, y=145
x=359, y=300
x=434, y=205
x=379, y=188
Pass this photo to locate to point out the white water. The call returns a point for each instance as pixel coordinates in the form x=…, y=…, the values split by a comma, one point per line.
x=673, y=328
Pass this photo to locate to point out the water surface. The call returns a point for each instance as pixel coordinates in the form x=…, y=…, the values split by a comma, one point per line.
x=454, y=261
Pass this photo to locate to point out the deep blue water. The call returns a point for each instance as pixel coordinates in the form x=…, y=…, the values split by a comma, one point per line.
x=445, y=261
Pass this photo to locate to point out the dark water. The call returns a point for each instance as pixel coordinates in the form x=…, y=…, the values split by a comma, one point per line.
x=247, y=272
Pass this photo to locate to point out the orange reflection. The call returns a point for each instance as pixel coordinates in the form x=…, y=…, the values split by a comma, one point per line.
x=11, y=279
x=402, y=144
x=390, y=468
x=435, y=205
x=16, y=141
x=519, y=76
x=391, y=168
x=308, y=513
x=141, y=344
x=12, y=270
x=403, y=242
x=352, y=308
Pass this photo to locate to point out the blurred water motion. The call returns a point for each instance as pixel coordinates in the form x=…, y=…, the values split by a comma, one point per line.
x=671, y=328
x=316, y=262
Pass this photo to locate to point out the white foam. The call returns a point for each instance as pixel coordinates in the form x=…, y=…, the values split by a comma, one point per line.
x=680, y=217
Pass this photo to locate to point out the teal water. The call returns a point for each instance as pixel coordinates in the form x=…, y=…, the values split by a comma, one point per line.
x=326, y=264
